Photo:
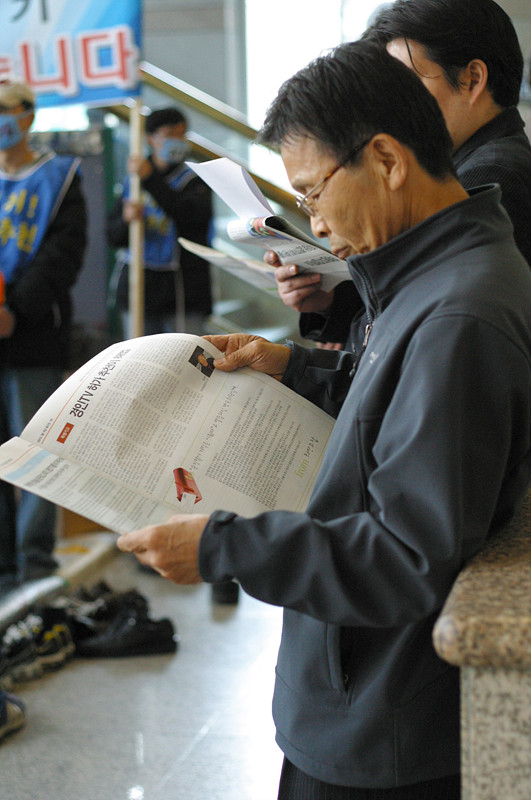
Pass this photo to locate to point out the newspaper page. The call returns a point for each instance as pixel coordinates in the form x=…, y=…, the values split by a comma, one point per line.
x=148, y=429
x=258, y=224
x=258, y=273
x=271, y=234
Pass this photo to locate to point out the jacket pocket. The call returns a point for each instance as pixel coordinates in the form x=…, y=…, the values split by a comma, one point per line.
x=334, y=650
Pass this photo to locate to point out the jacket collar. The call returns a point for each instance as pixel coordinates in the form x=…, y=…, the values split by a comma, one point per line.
x=507, y=123
x=379, y=274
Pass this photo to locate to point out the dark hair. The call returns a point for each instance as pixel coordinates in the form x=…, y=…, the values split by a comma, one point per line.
x=164, y=116
x=454, y=33
x=352, y=93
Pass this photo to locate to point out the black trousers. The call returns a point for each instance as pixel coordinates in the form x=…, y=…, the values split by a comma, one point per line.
x=296, y=785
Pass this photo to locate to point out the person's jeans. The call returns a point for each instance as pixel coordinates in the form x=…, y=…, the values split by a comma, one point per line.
x=27, y=527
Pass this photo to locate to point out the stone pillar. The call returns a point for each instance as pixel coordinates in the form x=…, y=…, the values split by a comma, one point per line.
x=485, y=629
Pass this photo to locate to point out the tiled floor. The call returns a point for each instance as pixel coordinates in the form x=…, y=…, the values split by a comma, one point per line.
x=192, y=726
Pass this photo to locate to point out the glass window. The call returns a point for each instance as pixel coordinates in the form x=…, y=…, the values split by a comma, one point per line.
x=283, y=36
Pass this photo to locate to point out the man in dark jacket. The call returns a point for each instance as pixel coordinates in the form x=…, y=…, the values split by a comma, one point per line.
x=431, y=449
x=42, y=243
x=175, y=203
x=469, y=58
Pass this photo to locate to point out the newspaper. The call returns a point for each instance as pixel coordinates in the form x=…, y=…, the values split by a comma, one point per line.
x=258, y=273
x=148, y=429
x=258, y=224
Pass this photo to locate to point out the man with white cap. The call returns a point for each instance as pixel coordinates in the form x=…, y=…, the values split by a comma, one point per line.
x=42, y=243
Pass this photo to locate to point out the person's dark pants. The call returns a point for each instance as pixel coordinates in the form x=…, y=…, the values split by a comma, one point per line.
x=27, y=528
x=296, y=785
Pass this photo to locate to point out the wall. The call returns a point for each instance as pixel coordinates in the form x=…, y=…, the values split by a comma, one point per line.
x=201, y=42
x=187, y=39
x=520, y=13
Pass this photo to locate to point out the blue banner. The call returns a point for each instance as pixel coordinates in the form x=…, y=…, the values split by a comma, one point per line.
x=73, y=51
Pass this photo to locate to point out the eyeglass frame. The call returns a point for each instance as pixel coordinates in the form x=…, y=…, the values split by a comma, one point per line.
x=302, y=201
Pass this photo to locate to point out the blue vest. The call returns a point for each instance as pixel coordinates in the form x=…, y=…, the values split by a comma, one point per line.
x=160, y=233
x=29, y=202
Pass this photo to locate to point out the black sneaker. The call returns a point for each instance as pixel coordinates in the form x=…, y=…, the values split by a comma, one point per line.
x=41, y=641
x=102, y=608
x=83, y=600
x=99, y=589
x=111, y=605
x=55, y=645
x=131, y=634
x=20, y=657
x=12, y=713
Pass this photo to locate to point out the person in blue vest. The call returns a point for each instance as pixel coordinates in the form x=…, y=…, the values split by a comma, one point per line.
x=42, y=245
x=175, y=202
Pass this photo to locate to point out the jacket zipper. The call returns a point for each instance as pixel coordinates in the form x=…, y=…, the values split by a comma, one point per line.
x=368, y=331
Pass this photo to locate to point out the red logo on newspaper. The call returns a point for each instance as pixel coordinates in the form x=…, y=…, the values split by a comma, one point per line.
x=63, y=436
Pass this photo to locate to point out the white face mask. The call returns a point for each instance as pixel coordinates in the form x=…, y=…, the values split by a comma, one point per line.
x=173, y=151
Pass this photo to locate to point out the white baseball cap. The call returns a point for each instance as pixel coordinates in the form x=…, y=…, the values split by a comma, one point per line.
x=13, y=92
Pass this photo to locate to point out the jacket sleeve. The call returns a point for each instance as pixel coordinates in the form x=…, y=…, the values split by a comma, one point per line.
x=56, y=265
x=407, y=493
x=334, y=324
x=321, y=376
x=190, y=208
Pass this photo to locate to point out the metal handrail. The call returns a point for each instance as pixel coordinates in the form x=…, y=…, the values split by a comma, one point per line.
x=191, y=97
x=197, y=99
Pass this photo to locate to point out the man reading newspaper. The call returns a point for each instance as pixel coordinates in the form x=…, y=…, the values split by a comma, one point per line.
x=429, y=456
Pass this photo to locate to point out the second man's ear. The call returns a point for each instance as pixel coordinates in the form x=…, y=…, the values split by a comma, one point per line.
x=474, y=78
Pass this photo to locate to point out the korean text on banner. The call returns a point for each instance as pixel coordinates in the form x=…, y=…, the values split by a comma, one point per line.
x=86, y=51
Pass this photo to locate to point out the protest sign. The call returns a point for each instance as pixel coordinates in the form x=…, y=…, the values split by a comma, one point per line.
x=86, y=51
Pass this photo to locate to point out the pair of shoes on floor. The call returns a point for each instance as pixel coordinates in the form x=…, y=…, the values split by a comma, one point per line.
x=12, y=713
x=19, y=661
x=98, y=590
x=98, y=602
x=41, y=641
x=132, y=632
x=225, y=593
x=90, y=611
x=108, y=624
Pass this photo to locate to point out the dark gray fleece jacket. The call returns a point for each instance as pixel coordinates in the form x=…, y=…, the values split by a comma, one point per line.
x=430, y=453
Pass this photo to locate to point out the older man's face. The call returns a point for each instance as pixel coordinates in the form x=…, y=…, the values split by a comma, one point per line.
x=352, y=204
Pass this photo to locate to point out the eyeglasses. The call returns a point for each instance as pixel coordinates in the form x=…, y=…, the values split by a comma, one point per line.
x=305, y=202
